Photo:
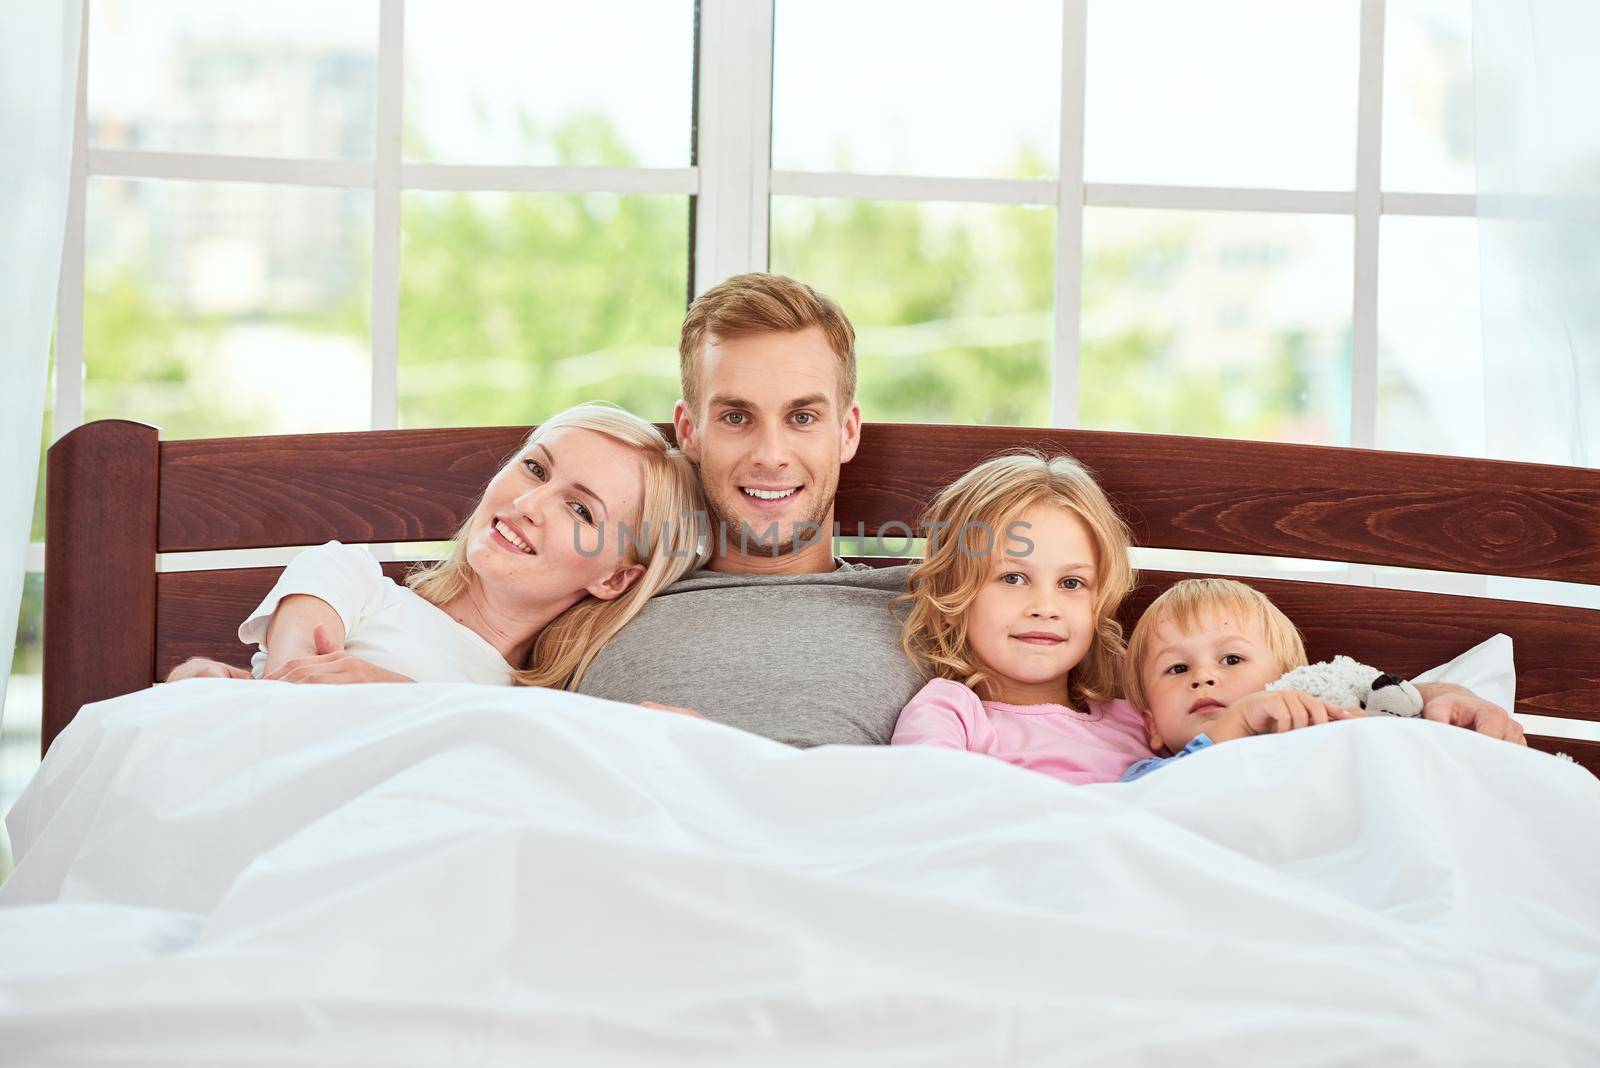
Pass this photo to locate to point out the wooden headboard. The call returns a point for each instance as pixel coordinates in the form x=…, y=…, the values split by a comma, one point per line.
x=118, y=495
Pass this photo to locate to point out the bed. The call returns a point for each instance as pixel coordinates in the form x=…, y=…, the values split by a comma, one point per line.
x=106, y=604
x=240, y=872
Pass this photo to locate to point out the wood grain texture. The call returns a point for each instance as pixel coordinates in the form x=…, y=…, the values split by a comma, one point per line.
x=1586, y=754
x=100, y=561
x=1187, y=493
x=1400, y=509
x=305, y=489
x=199, y=613
x=1260, y=498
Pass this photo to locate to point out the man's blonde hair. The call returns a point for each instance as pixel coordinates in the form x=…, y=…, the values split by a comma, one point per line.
x=1183, y=605
x=759, y=303
x=670, y=544
x=986, y=500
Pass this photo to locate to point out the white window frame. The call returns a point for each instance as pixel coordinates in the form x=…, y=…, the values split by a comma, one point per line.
x=386, y=175
x=731, y=181
x=1070, y=193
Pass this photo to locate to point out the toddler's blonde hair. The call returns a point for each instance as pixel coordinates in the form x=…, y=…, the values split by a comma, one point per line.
x=986, y=500
x=1183, y=605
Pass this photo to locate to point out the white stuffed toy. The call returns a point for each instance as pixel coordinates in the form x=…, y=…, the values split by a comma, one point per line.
x=1351, y=684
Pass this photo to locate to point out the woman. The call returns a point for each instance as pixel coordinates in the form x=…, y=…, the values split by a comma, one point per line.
x=592, y=517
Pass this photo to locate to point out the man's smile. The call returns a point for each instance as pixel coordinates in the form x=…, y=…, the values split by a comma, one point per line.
x=770, y=498
x=768, y=493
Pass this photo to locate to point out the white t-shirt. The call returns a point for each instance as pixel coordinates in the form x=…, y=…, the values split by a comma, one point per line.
x=384, y=623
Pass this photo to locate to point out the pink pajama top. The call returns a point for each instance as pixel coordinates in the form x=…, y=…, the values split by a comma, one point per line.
x=1097, y=745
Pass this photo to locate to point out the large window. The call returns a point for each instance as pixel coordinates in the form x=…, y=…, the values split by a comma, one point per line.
x=1228, y=218
x=318, y=217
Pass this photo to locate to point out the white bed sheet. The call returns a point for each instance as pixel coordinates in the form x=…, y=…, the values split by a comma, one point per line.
x=244, y=872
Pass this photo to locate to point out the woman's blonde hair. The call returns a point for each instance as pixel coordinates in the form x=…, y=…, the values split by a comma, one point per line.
x=1183, y=605
x=669, y=544
x=985, y=501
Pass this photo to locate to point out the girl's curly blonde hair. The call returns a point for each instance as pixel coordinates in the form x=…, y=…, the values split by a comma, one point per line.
x=967, y=518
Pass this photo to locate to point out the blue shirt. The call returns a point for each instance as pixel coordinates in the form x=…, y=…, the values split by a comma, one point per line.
x=1144, y=767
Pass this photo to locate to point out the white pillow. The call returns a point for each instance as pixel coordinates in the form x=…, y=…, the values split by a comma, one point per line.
x=1486, y=669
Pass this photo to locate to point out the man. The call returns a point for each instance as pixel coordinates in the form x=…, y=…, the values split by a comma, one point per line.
x=775, y=635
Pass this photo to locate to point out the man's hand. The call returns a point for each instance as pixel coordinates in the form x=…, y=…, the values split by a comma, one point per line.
x=1275, y=712
x=1445, y=702
x=199, y=667
x=672, y=708
x=331, y=664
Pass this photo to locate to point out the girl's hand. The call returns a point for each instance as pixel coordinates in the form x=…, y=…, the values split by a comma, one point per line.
x=199, y=667
x=1284, y=710
x=672, y=708
x=331, y=664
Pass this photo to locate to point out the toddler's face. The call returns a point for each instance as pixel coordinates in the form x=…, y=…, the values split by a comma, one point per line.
x=1191, y=676
x=1033, y=620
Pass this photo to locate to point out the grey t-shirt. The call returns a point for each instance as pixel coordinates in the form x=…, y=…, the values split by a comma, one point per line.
x=803, y=659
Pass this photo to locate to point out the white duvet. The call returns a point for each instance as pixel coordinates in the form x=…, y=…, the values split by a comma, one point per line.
x=224, y=872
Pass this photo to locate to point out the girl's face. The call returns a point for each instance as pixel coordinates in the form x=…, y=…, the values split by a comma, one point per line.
x=1033, y=619
x=550, y=527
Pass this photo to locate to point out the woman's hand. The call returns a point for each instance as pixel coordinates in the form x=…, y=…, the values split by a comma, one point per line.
x=331, y=664
x=672, y=708
x=199, y=667
x=1445, y=702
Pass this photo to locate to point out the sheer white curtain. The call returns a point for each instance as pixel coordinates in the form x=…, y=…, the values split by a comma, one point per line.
x=1537, y=83
x=38, y=84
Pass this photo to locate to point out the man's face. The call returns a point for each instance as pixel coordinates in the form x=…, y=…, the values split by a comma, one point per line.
x=1191, y=676
x=770, y=438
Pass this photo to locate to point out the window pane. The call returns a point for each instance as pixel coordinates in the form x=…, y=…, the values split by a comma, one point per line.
x=513, y=306
x=924, y=88
x=289, y=78
x=1427, y=96
x=227, y=308
x=1252, y=93
x=1430, y=351
x=592, y=84
x=951, y=302
x=19, y=731
x=1217, y=323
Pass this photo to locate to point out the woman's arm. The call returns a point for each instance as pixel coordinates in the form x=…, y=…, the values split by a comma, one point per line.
x=290, y=633
x=200, y=667
x=329, y=663
x=1445, y=702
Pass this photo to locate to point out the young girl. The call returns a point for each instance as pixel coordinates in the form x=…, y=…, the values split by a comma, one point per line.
x=1014, y=612
x=593, y=516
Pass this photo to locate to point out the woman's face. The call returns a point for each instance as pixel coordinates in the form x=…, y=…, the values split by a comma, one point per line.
x=550, y=527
